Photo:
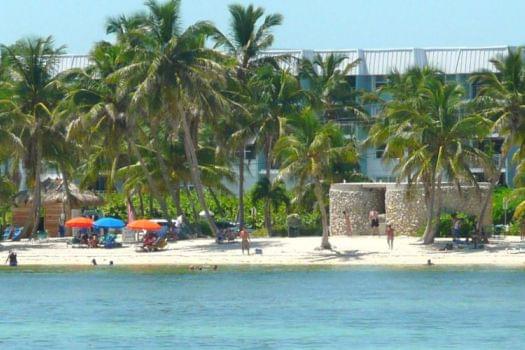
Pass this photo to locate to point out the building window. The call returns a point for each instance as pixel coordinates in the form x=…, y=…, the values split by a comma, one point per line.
x=474, y=89
x=380, y=81
x=380, y=151
x=249, y=152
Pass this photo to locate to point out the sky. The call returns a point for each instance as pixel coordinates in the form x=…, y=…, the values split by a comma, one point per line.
x=308, y=24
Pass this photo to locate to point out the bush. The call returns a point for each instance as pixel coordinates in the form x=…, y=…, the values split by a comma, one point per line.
x=224, y=206
x=498, y=213
x=259, y=233
x=468, y=224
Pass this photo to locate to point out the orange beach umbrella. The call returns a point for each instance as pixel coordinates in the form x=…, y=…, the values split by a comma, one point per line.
x=144, y=225
x=80, y=222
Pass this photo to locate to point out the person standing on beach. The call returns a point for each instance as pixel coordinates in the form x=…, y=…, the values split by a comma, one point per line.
x=348, y=223
x=11, y=257
x=245, y=240
x=522, y=229
x=389, y=236
x=456, y=227
x=373, y=216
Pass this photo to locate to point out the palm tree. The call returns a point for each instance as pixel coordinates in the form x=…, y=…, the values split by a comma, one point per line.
x=502, y=97
x=268, y=192
x=246, y=41
x=34, y=90
x=328, y=87
x=275, y=95
x=176, y=78
x=307, y=153
x=423, y=129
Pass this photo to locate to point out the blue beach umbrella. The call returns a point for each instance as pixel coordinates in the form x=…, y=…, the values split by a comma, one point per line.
x=109, y=223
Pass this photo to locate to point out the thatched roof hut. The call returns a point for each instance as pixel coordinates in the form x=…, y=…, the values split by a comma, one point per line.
x=53, y=200
x=54, y=191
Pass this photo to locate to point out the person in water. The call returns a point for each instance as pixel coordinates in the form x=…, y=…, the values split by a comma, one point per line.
x=245, y=240
x=11, y=257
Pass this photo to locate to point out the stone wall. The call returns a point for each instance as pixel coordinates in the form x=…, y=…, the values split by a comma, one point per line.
x=406, y=211
x=358, y=200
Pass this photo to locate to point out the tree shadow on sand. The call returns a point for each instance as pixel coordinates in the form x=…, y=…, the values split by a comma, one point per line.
x=341, y=255
x=225, y=247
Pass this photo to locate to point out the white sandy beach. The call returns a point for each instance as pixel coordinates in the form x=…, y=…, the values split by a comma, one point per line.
x=360, y=250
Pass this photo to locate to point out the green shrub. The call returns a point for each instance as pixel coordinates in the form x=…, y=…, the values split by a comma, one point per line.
x=498, y=197
x=468, y=224
x=259, y=233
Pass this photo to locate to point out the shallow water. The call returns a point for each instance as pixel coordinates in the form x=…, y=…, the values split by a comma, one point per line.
x=261, y=308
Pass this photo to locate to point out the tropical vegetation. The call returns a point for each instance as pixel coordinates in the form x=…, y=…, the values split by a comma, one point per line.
x=162, y=118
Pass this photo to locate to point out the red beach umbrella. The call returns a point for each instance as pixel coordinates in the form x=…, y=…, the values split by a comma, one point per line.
x=144, y=225
x=80, y=222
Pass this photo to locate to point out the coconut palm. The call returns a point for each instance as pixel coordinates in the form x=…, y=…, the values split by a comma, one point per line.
x=502, y=99
x=307, y=153
x=274, y=193
x=276, y=94
x=34, y=90
x=328, y=87
x=248, y=38
x=177, y=79
x=423, y=129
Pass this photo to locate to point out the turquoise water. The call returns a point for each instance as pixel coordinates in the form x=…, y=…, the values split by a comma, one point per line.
x=262, y=308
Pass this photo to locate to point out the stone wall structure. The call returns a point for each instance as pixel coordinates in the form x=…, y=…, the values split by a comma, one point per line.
x=404, y=209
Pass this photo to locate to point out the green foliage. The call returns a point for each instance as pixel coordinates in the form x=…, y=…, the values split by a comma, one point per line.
x=223, y=205
x=468, y=224
x=499, y=195
x=259, y=233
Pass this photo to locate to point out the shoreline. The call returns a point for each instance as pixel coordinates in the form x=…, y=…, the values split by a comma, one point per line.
x=293, y=252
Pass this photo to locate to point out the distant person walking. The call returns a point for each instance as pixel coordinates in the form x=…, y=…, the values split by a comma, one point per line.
x=245, y=240
x=373, y=216
x=348, y=223
x=522, y=229
x=389, y=231
x=11, y=257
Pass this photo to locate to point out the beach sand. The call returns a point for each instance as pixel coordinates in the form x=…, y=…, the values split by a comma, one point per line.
x=359, y=250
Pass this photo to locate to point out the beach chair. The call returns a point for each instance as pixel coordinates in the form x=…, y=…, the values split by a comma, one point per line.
x=109, y=241
x=40, y=235
x=161, y=243
x=18, y=234
x=7, y=233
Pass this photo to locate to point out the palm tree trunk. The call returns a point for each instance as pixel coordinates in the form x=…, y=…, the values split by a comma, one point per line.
x=153, y=189
x=488, y=198
x=67, y=203
x=191, y=154
x=194, y=210
x=163, y=170
x=318, y=189
x=428, y=236
x=141, y=202
x=241, y=187
x=267, y=204
x=178, y=207
x=36, y=204
x=150, y=204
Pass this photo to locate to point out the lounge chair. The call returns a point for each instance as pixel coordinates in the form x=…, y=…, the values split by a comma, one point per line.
x=18, y=234
x=7, y=233
x=109, y=241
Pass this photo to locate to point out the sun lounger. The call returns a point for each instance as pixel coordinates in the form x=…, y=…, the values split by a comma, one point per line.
x=18, y=234
x=7, y=233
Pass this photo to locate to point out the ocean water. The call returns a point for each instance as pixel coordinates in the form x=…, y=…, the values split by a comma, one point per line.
x=262, y=308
